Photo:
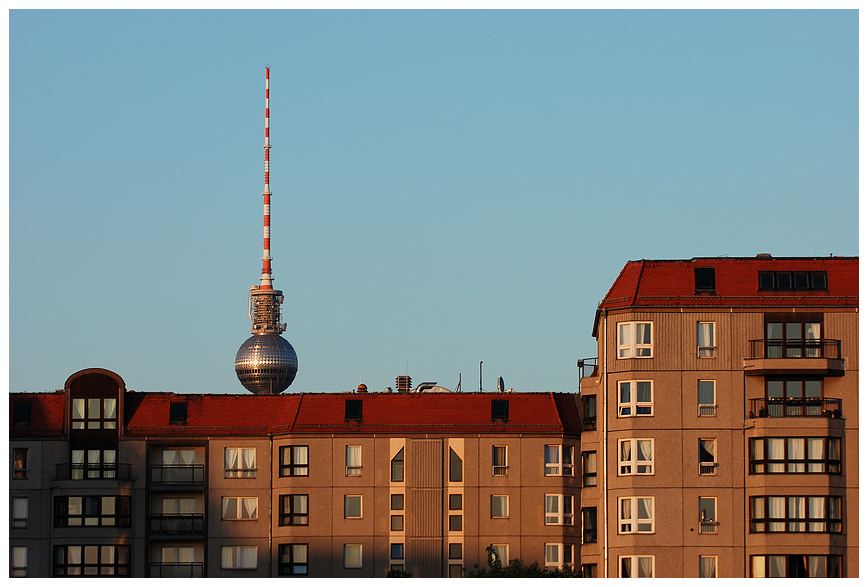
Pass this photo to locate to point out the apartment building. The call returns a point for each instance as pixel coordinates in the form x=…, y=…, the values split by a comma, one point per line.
x=721, y=420
x=111, y=482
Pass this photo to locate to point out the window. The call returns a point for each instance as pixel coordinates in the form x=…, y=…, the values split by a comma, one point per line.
x=498, y=461
x=294, y=510
x=70, y=511
x=707, y=567
x=240, y=462
x=19, y=512
x=178, y=413
x=178, y=466
x=21, y=413
x=786, y=339
x=559, y=510
x=636, y=456
x=454, y=467
x=706, y=397
x=353, y=410
x=396, y=523
x=589, y=571
x=19, y=561
x=398, y=466
x=396, y=550
x=589, y=525
x=240, y=508
x=792, y=280
x=352, y=506
x=589, y=468
x=293, y=559
x=238, y=557
x=397, y=501
x=19, y=463
x=104, y=560
x=559, y=459
x=559, y=556
x=500, y=410
x=796, y=565
x=499, y=506
x=795, y=455
x=635, y=398
x=352, y=556
x=704, y=279
x=707, y=456
x=499, y=554
x=636, y=566
x=94, y=413
x=455, y=523
x=177, y=562
x=354, y=460
x=455, y=549
x=636, y=515
x=455, y=500
x=455, y=571
x=634, y=340
x=294, y=461
x=589, y=412
x=708, y=515
x=796, y=514
x=706, y=344
x=101, y=464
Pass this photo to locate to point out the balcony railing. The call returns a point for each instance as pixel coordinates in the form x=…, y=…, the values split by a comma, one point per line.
x=177, y=570
x=73, y=471
x=707, y=409
x=177, y=473
x=707, y=468
x=177, y=523
x=707, y=527
x=795, y=408
x=589, y=423
x=814, y=348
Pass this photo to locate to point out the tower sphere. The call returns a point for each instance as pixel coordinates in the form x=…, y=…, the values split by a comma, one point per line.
x=266, y=364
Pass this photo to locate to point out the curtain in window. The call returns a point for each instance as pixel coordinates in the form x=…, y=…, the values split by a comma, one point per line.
x=797, y=513
x=498, y=506
x=707, y=567
x=19, y=559
x=816, y=566
x=777, y=566
x=19, y=508
x=706, y=393
x=352, y=555
x=228, y=558
x=78, y=409
x=759, y=566
x=186, y=505
x=815, y=453
x=812, y=334
x=93, y=408
x=230, y=508
x=185, y=554
x=498, y=456
x=187, y=456
x=645, y=566
x=354, y=456
x=705, y=338
x=110, y=408
x=248, y=459
x=626, y=510
x=776, y=453
x=777, y=511
x=248, y=507
x=626, y=567
x=299, y=457
x=247, y=557
x=552, y=509
x=759, y=514
x=817, y=511
x=552, y=554
x=643, y=508
x=626, y=451
x=643, y=448
x=74, y=555
x=707, y=450
x=170, y=457
x=796, y=455
x=230, y=458
x=643, y=333
x=643, y=392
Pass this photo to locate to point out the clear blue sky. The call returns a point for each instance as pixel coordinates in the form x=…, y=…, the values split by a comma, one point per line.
x=449, y=187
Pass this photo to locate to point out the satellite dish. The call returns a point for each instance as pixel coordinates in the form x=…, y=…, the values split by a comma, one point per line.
x=500, y=386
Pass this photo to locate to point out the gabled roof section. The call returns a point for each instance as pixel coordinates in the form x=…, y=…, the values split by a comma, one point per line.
x=672, y=283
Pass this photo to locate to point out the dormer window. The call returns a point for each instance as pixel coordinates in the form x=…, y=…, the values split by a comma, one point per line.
x=94, y=413
x=704, y=279
x=21, y=413
x=353, y=410
x=178, y=413
x=500, y=410
x=792, y=280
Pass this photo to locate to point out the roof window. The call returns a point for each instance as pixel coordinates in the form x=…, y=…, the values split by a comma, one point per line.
x=353, y=410
x=500, y=410
x=792, y=280
x=704, y=277
x=178, y=413
x=21, y=413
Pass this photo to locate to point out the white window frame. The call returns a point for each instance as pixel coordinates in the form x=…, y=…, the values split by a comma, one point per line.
x=632, y=407
x=631, y=349
x=559, y=517
x=634, y=565
x=237, y=556
x=241, y=471
x=505, y=506
x=560, y=468
x=630, y=525
x=707, y=410
x=560, y=550
x=361, y=560
x=504, y=560
x=239, y=508
x=361, y=512
x=354, y=465
x=632, y=465
x=713, y=560
x=706, y=467
x=708, y=523
x=704, y=351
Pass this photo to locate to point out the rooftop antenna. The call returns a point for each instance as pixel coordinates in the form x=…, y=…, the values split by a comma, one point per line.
x=266, y=364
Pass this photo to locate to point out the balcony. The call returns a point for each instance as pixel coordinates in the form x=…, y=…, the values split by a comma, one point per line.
x=795, y=357
x=178, y=474
x=75, y=471
x=178, y=524
x=795, y=408
x=177, y=570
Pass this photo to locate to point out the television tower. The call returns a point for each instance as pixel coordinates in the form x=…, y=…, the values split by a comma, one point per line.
x=266, y=364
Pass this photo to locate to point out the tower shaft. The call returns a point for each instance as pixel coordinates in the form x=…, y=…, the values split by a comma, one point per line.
x=265, y=279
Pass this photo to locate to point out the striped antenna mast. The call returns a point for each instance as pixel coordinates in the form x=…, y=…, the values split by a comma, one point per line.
x=265, y=280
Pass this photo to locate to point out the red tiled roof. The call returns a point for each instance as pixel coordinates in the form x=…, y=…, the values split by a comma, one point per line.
x=46, y=414
x=147, y=414
x=672, y=283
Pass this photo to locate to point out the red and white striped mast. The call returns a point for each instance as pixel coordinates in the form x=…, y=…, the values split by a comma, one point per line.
x=265, y=280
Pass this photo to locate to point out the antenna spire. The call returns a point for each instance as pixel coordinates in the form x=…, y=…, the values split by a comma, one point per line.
x=265, y=280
